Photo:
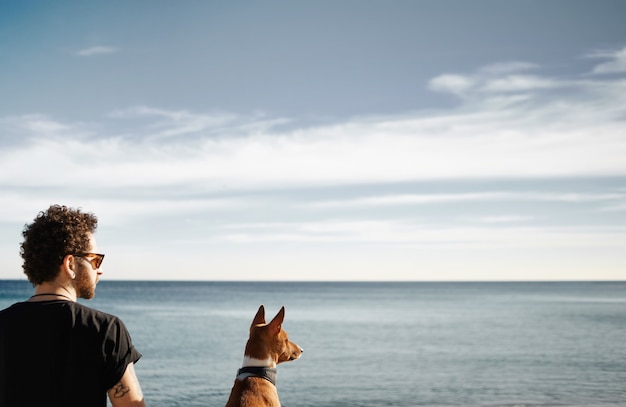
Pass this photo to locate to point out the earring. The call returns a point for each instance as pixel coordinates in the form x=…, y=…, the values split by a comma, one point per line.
x=73, y=275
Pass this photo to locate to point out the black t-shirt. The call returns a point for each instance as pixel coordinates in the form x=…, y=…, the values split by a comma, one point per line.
x=60, y=353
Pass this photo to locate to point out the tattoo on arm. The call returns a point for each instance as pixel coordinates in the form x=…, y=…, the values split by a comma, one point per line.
x=119, y=390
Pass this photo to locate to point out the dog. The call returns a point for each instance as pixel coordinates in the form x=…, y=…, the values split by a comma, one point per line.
x=267, y=346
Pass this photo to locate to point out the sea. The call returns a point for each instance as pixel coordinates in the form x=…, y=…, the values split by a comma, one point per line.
x=379, y=343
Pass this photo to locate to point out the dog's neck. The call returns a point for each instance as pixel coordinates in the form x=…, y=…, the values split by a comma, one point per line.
x=267, y=373
x=265, y=369
x=254, y=362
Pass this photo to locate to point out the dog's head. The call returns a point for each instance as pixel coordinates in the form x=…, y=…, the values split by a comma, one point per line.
x=270, y=340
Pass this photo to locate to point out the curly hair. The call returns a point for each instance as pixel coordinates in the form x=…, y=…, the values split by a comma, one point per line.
x=55, y=233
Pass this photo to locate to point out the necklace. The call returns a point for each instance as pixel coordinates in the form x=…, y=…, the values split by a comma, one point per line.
x=58, y=295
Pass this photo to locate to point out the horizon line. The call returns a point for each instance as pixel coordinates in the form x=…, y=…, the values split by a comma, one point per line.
x=340, y=281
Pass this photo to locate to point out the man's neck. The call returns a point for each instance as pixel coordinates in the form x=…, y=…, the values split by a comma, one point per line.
x=49, y=289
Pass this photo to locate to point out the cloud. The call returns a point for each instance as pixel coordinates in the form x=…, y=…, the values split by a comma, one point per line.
x=165, y=125
x=559, y=138
x=495, y=77
x=411, y=233
x=414, y=199
x=511, y=125
x=96, y=50
x=477, y=196
x=20, y=133
x=456, y=84
x=33, y=124
x=505, y=219
x=225, y=182
x=510, y=83
x=616, y=61
x=517, y=83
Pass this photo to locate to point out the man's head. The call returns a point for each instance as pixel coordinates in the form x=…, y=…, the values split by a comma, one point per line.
x=54, y=234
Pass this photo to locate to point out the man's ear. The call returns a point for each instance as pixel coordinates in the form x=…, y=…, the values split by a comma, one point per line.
x=68, y=266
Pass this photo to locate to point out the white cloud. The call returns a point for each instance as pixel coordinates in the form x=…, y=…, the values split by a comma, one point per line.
x=486, y=196
x=162, y=125
x=410, y=233
x=616, y=61
x=37, y=125
x=171, y=124
x=517, y=83
x=497, y=79
x=414, y=199
x=575, y=134
x=96, y=50
x=452, y=83
x=505, y=219
x=560, y=138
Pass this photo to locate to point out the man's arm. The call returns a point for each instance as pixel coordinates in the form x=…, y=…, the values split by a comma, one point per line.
x=127, y=393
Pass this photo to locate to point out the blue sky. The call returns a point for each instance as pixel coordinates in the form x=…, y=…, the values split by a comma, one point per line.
x=321, y=140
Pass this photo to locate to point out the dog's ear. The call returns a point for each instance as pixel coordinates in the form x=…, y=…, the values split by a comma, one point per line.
x=259, y=318
x=277, y=322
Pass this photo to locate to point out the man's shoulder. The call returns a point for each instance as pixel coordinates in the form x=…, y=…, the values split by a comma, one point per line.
x=81, y=312
x=11, y=309
x=88, y=311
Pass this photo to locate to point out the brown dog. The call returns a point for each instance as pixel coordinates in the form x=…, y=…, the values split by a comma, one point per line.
x=268, y=345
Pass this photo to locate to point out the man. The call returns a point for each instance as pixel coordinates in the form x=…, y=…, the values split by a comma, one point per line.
x=53, y=350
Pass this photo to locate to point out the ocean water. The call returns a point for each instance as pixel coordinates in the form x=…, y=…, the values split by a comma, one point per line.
x=379, y=344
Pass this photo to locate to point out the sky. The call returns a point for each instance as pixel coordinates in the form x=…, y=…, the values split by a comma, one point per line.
x=431, y=140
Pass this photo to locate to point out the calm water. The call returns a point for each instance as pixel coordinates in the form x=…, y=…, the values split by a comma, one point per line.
x=380, y=344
